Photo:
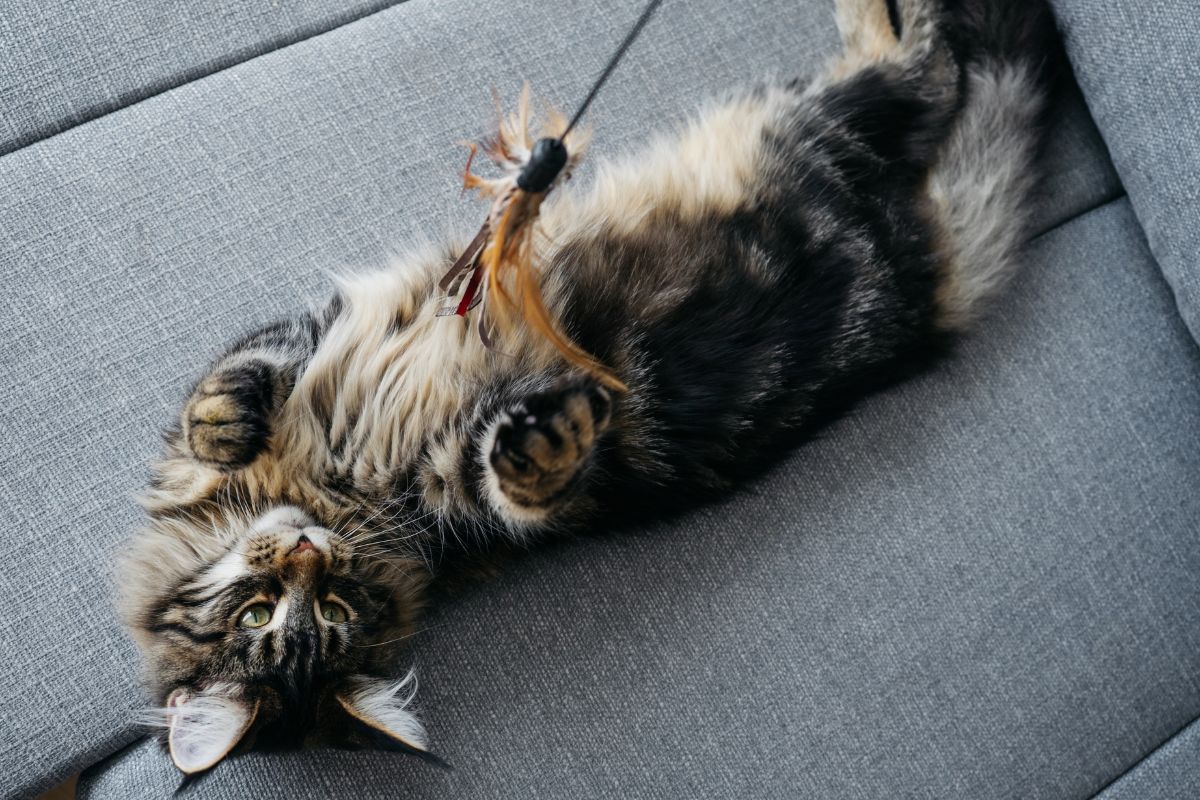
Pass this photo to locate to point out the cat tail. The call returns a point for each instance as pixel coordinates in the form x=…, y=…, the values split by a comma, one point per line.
x=988, y=170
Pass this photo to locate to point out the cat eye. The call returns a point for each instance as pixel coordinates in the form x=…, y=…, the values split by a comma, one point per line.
x=333, y=612
x=255, y=616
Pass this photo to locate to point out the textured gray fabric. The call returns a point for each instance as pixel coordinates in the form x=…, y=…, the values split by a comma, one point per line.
x=1137, y=65
x=134, y=245
x=981, y=585
x=63, y=62
x=1172, y=772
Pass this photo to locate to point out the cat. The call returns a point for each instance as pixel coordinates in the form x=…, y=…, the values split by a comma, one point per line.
x=748, y=278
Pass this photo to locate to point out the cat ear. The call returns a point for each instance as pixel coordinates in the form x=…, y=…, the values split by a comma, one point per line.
x=380, y=709
x=205, y=726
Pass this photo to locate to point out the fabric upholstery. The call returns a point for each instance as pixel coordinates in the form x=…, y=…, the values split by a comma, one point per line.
x=1172, y=772
x=136, y=244
x=64, y=62
x=980, y=585
x=1138, y=68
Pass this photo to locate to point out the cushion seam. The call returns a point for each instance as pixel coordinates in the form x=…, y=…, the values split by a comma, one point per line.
x=1145, y=757
x=1107, y=199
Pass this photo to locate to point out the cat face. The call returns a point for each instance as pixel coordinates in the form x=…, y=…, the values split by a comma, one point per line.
x=270, y=632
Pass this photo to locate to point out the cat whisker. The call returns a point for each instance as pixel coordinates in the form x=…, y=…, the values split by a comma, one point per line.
x=402, y=638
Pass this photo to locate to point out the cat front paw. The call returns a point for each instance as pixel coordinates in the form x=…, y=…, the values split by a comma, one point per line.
x=542, y=445
x=226, y=422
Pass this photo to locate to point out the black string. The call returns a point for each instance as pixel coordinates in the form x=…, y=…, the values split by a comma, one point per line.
x=648, y=12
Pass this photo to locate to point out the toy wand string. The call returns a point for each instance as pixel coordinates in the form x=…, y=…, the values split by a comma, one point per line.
x=503, y=245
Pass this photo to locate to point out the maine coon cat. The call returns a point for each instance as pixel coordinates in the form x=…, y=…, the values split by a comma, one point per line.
x=747, y=278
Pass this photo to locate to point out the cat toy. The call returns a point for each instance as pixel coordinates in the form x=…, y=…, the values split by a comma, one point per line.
x=501, y=254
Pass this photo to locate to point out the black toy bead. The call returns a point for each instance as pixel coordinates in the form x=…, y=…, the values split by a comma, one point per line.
x=547, y=159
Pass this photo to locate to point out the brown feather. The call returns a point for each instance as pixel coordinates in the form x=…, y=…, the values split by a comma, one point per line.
x=510, y=275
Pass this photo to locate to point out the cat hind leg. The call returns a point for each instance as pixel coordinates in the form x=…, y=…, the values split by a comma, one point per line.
x=867, y=37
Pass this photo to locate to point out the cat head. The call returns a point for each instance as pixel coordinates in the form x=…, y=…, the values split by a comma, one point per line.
x=268, y=631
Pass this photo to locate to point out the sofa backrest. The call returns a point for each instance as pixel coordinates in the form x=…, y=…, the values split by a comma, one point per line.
x=1138, y=67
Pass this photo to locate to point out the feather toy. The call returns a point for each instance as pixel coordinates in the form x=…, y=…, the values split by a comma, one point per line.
x=496, y=273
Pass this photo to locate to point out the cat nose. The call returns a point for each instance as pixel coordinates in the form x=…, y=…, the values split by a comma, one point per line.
x=302, y=544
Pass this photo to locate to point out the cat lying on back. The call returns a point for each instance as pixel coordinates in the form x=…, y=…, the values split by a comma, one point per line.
x=790, y=250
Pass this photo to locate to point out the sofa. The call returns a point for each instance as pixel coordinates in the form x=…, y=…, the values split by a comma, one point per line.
x=983, y=583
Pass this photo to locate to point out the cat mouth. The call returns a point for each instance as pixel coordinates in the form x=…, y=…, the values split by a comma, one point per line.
x=304, y=545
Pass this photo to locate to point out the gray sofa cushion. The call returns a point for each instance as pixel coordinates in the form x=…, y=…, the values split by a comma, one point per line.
x=1137, y=65
x=982, y=585
x=135, y=245
x=1172, y=772
x=63, y=62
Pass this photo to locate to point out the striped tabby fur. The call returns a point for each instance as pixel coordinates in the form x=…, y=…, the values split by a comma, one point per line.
x=748, y=278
